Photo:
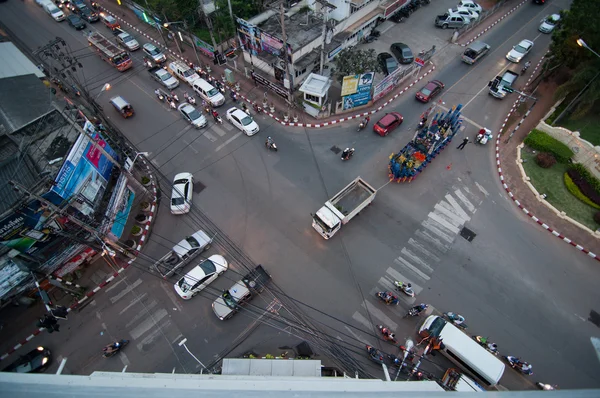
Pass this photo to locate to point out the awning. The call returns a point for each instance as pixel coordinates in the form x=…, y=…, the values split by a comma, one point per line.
x=306, y=60
x=363, y=21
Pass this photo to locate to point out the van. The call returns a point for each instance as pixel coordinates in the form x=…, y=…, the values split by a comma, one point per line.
x=122, y=106
x=110, y=21
x=210, y=94
x=54, y=12
x=475, y=51
x=182, y=71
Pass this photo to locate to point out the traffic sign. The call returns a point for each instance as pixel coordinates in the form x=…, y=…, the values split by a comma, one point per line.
x=420, y=61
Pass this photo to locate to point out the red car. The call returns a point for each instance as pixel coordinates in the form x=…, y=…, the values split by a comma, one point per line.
x=432, y=89
x=387, y=123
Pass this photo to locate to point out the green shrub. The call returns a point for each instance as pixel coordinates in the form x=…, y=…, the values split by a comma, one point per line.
x=589, y=177
x=543, y=142
x=545, y=160
x=575, y=191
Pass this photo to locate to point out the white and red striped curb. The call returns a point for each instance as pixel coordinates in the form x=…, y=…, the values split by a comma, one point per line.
x=280, y=121
x=495, y=22
x=109, y=279
x=507, y=189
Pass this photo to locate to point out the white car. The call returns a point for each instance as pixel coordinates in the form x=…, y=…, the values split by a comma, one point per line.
x=465, y=12
x=471, y=5
x=549, y=23
x=519, y=51
x=128, y=41
x=154, y=53
x=192, y=115
x=242, y=121
x=201, y=276
x=181, y=195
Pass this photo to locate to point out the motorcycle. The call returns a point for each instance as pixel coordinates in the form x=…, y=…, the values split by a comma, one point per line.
x=233, y=96
x=174, y=97
x=361, y=125
x=160, y=95
x=483, y=136
x=485, y=343
x=189, y=98
x=524, y=69
x=207, y=109
x=95, y=5
x=456, y=320
x=347, y=153
x=517, y=364
x=416, y=310
x=421, y=124
x=172, y=103
x=271, y=145
x=387, y=334
x=546, y=387
x=216, y=117
x=257, y=108
x=375, y=355
x=388, y=298
x=116, y=347
x=405, y=288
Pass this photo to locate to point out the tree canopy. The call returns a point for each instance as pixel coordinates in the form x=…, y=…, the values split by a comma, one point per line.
x=352, y=61
x=583, y=64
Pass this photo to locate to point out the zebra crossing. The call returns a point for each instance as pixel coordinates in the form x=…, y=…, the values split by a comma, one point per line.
x=424, y=251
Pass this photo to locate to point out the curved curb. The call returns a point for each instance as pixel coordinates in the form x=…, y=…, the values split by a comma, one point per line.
x=109, y=279
x=507, y=188
x=283, y=123
x=494, y=23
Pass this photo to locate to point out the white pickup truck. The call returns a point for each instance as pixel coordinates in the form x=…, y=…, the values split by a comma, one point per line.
x=182, y=253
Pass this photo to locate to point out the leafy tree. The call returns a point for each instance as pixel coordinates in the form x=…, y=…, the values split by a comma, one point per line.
x=352, y=61
x=583, y=65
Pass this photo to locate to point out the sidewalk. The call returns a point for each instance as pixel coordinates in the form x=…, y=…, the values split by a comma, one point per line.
x=506, y=154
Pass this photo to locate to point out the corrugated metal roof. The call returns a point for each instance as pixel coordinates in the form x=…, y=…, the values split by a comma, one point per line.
x=29, y=99
x=15, y=63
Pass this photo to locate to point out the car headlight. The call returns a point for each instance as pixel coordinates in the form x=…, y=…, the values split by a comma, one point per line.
x=40, y=348
x=45, y=360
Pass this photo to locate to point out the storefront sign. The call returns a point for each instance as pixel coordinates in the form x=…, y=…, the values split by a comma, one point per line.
x=362, y=96
x=281, y=91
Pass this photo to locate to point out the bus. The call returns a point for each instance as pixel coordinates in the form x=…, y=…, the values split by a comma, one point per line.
x=109, y=52
x=463, y=351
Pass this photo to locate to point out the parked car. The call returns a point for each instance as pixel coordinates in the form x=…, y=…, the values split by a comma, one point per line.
x=181, y=195
x=465, y=12
x=454, y=21
x=402, y=52
x=471, y=5
x=519, y=51
x=76, y=22
x=549, y=23
x=242, y=121
x=128, y=41
x=35, y=361
x=201, y=276
x=430, y=90
x=192, y=115
x=388, y=123
x=387, y=62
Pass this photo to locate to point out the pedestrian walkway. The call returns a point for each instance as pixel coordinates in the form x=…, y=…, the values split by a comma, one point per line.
x=423, y=253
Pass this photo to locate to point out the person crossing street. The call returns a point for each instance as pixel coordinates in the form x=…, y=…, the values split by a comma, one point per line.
x=464, y=142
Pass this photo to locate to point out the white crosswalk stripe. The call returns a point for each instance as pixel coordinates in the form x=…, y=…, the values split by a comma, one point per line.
x=456, y=207
x=449, y=215
x=403, y=263
x=210, y=137
x=218, y=130
x=420, y=247
x=380, y=315
x=437, y=217
x=437, y=229
x=397, y=276
x=416, y=259
x=464, y=199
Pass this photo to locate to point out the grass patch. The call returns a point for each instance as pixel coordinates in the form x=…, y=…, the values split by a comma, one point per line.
x=588, y=126
x=551, y=182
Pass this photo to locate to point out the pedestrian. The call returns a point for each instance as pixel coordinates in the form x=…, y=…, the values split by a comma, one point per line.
x=464, y=142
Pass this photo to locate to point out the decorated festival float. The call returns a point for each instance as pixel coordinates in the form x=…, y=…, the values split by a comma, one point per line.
x=427, y=143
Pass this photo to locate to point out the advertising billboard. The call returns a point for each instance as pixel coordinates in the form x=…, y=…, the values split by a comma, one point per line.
x=349, y=85
x=362, y=96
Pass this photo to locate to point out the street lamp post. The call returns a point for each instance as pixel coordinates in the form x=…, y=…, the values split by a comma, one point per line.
x=584, y=45
x=104, y=88
x=166, y=25
x=128, y=165
x=182, y=344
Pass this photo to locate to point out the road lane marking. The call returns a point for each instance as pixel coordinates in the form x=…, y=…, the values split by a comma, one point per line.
x=125, y=291
x=133, y=302
x=210, y=137
x=416, y=259
x=482, y=189
x=457, y=207
x=466, y=201
x=450, y=216
x=417, y=245
x=429, y=225
x=141, y=314
x=169, y=291
x=440, y=220
x=148, y=323
x=402, y=262
x=219, y=130
x=223, y=145
x=357, y=337
x=115, y=284
x=380, y=315
x=401, y=278
x=442, y=248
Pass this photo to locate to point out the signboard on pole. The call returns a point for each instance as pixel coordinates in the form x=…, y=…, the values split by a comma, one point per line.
x=419, y=62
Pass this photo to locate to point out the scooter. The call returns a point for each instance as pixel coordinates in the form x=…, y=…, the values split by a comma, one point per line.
x=347, y=153
x=405, y=288
x=375, y=355
x=189, y=98
x=174, y=97
x=452, y=317
x=421, y=124
x=233, y=96
x=484, y=342
x=516, y=364
x=385, y=296
x=546, y=387
x=415, y=311
x=271, y=145
x=160, y=95
x=257, y=108
x=387, y=334
x=217, y=118
x=117, y=346
x=483, y=136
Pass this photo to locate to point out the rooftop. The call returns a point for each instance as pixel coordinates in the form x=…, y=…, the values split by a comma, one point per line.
x=301, y=28
x=29, y=99
x=316, y=85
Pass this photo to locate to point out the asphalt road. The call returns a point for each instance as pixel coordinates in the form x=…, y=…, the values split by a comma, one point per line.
x=513, y=282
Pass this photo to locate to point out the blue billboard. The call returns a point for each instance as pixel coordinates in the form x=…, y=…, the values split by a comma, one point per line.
x=362, y=96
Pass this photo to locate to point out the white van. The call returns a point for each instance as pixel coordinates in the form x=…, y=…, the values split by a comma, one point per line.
x=209, y=93
x=465, y=352
x=54, y=12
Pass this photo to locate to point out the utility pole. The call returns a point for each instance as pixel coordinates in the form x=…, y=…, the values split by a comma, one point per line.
x=285, y=54
x=325, y=7
x=209, y=25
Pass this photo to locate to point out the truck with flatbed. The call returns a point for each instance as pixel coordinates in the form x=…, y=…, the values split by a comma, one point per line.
x=244, y=290
x=342, y=207
x=163, y=76
x=502, y=85
x=182, y=253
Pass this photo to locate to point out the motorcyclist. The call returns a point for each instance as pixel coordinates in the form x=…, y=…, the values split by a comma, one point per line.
x=458, y=319
x=346, y=153
x=527, y=65
x=269, y=141
x=391, y=299
x=407, y=287
x=157, y=92
x=493, y=347
x=525, y=367
x=111, y=348
x=420, y=308
x=367, y=120
x=215, y=115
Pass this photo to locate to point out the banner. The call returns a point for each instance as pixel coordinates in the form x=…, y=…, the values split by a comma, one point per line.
x=362, y=96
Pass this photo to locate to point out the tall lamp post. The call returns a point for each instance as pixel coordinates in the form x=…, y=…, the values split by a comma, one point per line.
x=167, y=24
x=104, y=88
x=583, y=44
x=182, y=344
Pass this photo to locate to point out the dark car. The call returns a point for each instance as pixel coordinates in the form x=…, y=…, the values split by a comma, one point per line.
x=387, y=123
x=75, y=5
x=76, y=22
x=88, y=14
x=387, y=62
x=430, y=90
x=34, y=361
x=402, y=53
